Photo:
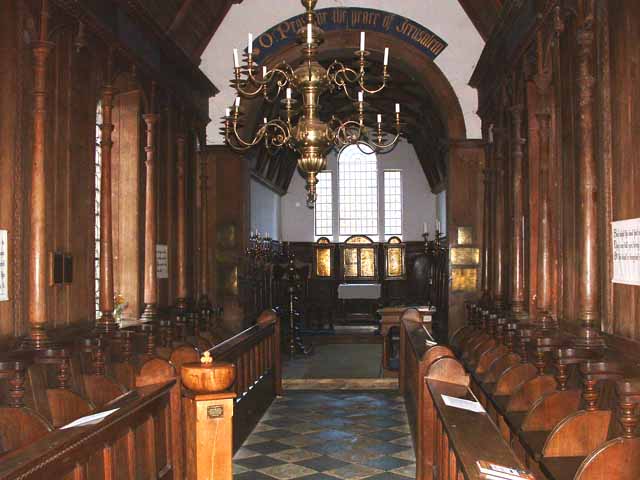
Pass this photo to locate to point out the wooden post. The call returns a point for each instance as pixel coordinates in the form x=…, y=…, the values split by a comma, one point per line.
x=588, y=282
x=518, y=311
x=181, y=239
x=203, y=302
x=37, y=337
x=209, y=435
x=106, y=323
x=487, y=219
x=150, y=312
x=499, y=218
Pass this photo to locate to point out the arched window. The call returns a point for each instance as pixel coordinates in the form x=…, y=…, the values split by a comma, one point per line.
x=96, y=225
x=358, y=192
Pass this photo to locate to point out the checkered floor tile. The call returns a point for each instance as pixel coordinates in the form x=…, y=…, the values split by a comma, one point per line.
x=329, y=435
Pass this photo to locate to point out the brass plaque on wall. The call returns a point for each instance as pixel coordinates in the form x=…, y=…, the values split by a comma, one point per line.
x=465, y=256
x=323, y=262
x=350, y=262
x=465, y=235
x=367, y=262
x=394, y=262
x=464, y=279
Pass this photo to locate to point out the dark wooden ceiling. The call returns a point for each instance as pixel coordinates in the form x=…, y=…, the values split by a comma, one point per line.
x=483, y=13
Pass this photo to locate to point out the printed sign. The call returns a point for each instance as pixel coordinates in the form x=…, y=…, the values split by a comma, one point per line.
x=358, y=19
x=4, y=266
x=626, y=251
x=162, y=261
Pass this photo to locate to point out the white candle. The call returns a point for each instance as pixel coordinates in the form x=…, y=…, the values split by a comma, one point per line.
x=250, y=42
x=424, y=227
x=397, y=108
x=288, y=94
x=237, y=102
x=437, y=225
x=362, y=41
x=227, y=112
x=379, y=118
x=386, y=56
x=264, y=72
x=236, y=62
x=265, y=120
x=309, y=33
x=360, y=96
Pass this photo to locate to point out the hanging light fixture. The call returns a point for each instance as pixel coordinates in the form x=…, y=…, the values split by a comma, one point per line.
x=299, y=128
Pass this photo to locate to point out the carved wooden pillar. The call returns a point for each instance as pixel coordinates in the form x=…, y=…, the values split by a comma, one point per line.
x=517, y=233
x=37, y=337
x=588, y=308
x=487, y=219
x=499, y=218
x=150, y=235
x=181, y=234
x=204, y=302
x=106, y=324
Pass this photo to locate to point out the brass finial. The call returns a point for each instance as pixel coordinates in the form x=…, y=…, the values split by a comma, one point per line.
x=206, y=359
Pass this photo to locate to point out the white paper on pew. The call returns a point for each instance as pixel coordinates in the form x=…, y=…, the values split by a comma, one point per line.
x=463, y=404
x=90, y=419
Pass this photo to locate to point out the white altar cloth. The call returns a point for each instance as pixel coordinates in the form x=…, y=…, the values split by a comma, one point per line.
x=368, y=291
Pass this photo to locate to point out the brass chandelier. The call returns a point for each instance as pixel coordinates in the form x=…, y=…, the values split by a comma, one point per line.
x=301, y=129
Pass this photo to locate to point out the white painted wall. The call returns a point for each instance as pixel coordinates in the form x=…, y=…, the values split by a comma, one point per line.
x=265, y=210
x=419, y=204
x=444, y=17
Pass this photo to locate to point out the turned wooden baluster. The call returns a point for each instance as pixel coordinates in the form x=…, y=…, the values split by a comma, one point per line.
x=592, y=373
x=511, y=329
x=565, y=357
x=16, y=385
x=99, y=357
x=628, y=391
x=524, y=338
x=149, y=330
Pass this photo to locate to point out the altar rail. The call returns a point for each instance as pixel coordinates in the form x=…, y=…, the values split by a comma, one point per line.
x=133, y=442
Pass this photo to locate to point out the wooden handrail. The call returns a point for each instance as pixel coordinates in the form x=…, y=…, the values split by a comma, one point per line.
x=70, y=451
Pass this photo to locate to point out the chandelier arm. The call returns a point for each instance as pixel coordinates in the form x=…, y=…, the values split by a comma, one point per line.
x=343, y=137
x=385, y=146
x=247, y=144
x=373, y=91
x=248, y=93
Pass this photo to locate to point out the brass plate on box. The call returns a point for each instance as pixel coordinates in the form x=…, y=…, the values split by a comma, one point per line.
x=367, y=262
x=323, y=262
x=465, y=235
x=465, y=256
x=464, y=279
x=394, y=262
x=215, y=411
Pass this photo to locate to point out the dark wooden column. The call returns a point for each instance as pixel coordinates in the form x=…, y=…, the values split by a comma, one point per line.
x=488, y=214
x=204, y=301
x=499, y=266
x=37, y=337
x=518, y=311
x=588, y=283
x=543, y=79
x=106, y=324
x=150, y=235
x=181, y=234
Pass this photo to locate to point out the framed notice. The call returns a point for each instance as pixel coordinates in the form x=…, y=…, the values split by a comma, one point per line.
x=4, y=266
x=162, y=261
x=626, y=251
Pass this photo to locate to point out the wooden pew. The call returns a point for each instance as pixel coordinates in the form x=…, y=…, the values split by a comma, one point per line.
x=460, y=437
x=133, y=442
x=415, y=359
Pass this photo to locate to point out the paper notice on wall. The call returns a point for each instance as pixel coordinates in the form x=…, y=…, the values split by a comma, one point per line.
x=4, y=266
x=626, y=251
x=162, y=261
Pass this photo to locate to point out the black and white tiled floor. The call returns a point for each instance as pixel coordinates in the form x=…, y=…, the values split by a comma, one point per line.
x=329, y=435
